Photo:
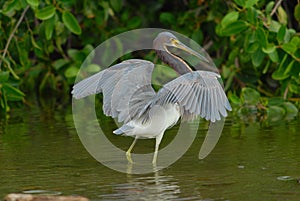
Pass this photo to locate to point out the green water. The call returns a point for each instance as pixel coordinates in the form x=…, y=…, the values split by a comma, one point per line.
x=40, y=152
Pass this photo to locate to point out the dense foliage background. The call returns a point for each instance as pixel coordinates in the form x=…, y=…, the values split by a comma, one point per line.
x=255, y=44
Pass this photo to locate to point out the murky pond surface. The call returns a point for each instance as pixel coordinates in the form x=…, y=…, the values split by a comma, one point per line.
x=40, y=152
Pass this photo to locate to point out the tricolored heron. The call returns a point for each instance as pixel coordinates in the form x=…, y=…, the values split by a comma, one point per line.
x=128, y=94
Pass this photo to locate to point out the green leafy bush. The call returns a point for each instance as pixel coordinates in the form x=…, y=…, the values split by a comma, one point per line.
x=255, y=43
x=263, y=54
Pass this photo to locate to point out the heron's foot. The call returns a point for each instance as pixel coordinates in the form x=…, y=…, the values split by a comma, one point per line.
x=128, y=156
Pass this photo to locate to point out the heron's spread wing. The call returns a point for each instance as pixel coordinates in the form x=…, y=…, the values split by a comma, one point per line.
x=198, y=93
x=126, y=88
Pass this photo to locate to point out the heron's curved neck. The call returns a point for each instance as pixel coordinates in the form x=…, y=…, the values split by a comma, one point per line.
x=175, y=62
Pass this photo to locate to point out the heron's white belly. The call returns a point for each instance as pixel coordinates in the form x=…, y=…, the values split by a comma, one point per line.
x=161, y=118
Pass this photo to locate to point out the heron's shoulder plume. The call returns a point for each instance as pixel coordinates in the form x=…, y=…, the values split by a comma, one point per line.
x=137, y=61
x=208, y=74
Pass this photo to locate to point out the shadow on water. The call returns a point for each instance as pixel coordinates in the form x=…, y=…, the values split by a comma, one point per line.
x=40, y=153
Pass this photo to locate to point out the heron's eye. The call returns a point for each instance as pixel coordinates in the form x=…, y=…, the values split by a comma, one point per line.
x=174, y=41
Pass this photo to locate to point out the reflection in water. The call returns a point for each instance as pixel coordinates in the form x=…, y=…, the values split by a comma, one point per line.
x=152, y=187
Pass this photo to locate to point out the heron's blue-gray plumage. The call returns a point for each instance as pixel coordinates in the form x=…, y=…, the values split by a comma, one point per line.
x=198, y=93
x=122, y=86
x=128, y=94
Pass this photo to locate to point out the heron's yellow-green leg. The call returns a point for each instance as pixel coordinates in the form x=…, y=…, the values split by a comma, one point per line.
x=128, y=153
x=157, y=142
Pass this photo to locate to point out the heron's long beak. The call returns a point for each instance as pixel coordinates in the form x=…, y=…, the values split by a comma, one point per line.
x=180, y=45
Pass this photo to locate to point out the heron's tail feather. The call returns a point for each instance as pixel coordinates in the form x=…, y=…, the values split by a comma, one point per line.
x=124, y=129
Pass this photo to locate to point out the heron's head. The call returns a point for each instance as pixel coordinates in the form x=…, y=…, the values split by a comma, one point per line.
x=165, y=40
x=167, y=46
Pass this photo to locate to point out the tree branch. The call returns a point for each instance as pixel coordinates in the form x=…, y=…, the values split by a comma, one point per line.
x=13, y=33
x=275, y=7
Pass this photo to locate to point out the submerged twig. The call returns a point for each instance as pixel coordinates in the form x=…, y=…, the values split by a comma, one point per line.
x=13, y=33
